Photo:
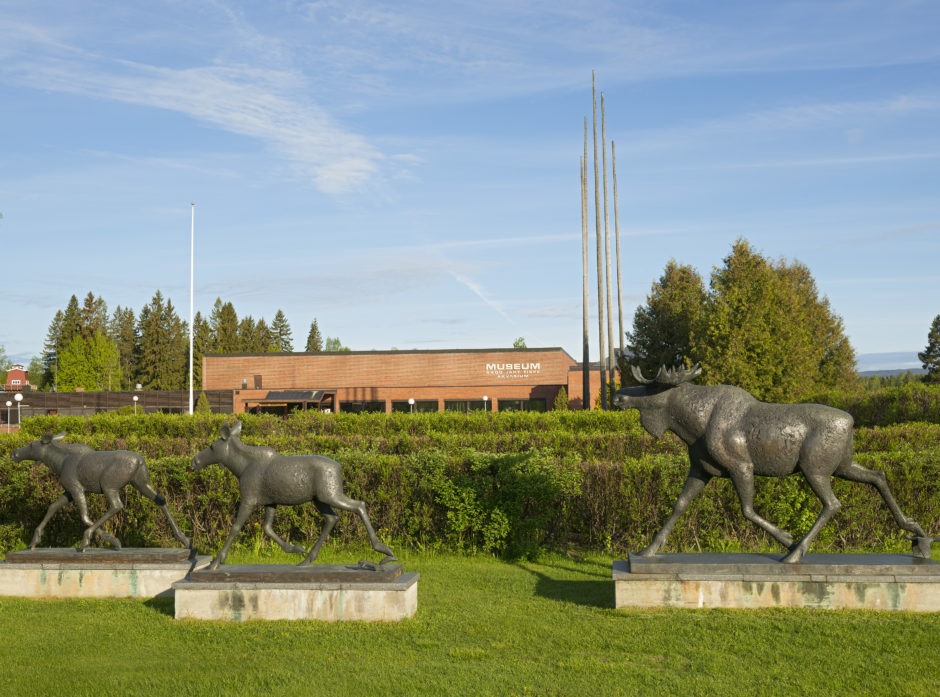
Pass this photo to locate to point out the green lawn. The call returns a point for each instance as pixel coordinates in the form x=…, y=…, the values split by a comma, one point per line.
x=484, y=627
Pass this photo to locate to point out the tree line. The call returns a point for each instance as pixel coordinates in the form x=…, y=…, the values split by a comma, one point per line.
x=89, y=348
x=760, y=324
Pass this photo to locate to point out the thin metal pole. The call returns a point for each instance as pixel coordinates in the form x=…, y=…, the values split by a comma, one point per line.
x=585, y=273
x=192, y=258
x=600, y=261
x=613, y=158
x=607, y=274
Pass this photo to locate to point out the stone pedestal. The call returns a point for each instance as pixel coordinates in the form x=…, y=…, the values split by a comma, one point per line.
x=330, y=592
x=831, y=581
x=66, y=572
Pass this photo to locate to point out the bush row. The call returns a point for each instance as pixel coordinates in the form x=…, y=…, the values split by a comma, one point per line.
x=502, y=483
x=915, y=401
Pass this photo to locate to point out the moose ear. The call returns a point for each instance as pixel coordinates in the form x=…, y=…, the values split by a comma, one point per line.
x=59, y=436
x=237, y=428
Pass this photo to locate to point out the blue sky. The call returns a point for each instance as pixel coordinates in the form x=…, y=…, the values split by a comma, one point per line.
x=407, y=172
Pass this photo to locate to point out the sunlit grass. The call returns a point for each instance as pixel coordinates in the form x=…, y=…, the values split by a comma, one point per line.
x=484, y=627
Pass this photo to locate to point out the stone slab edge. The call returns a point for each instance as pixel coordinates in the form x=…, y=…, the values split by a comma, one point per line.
x=403, y=582
x=191, y=564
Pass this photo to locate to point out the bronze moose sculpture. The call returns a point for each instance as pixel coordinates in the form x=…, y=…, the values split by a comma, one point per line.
x=731, y=434
x=83, y=470
x=266, y=478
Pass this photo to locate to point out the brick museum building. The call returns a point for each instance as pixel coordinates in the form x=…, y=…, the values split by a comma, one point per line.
x=388, y=381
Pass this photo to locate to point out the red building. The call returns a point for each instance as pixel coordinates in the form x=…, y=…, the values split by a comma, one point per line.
x=385, y=381
x=17, y=378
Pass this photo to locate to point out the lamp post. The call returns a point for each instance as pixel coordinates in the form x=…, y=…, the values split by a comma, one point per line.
x=135, y=398
x=411, y=403
x=19, y=398
x=485, y=403
x=9, y=404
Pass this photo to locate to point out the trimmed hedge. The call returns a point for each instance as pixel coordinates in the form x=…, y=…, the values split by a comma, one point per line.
x=507, y=483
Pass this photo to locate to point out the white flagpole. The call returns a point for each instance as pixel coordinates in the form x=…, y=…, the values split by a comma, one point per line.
x=192, y=246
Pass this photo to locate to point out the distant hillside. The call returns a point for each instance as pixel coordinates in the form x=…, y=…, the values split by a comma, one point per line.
x=889, y=373
x=891, y=363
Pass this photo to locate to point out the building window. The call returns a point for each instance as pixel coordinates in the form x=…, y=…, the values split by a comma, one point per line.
x=465, y=405
x=423, y=406
x=522, y=404
x=14, y=382
x=362, y=407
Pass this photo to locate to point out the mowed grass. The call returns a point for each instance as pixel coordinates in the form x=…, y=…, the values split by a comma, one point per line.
x=484, y=627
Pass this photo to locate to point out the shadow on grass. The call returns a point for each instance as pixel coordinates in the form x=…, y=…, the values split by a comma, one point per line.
x=164, y=606
x=588, y=592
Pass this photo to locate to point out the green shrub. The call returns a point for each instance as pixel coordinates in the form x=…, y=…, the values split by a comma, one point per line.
x=504, y=483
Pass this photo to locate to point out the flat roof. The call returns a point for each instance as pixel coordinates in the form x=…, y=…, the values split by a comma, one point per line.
x=395, y=351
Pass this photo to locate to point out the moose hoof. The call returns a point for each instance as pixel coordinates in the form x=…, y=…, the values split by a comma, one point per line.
x=793, y=557
x=389, y=558
x=295, y=549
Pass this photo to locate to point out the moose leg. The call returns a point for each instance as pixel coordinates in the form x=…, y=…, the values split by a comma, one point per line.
x=241, y=517
x=141, y=482
x=694, y=484
x=268, y=528
x=78, y=496
x=114, y=498
x=743, y=479
x=359, y=508
x=329, y=520
x=822, y=487
x=56, y=505
x=854, y=472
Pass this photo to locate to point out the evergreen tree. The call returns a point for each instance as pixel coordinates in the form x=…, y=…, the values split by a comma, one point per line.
x=224, y=324
x=265, y=336
x=662, y=328
x=930, y=356
x=164, y=347
x=561, y=400
x=50, y=352
x=202, y=404
x=248, y=339
x=314, y=339
x=761, y=325
x=123, y=331
x=93, y=316
x=280, y=329
x=202, y=344
x=71, y=323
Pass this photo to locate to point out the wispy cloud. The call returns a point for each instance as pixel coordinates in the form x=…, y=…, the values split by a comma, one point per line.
x=267, y=104
x=478, y=291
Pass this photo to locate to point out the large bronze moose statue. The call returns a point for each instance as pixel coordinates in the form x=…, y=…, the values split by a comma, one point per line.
x=731, y=434
x=82, y=470
x=266, y=478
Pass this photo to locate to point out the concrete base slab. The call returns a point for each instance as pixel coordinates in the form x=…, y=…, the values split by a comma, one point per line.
x=830, y=581
x=96, y=573
x=283, y=594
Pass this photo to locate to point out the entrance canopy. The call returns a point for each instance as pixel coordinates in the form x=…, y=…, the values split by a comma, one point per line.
x=283, y=401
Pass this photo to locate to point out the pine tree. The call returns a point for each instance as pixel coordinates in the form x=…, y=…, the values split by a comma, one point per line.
x=314, y=339
x=662, y=328
x=93, y=316
x=265, y=336
x=248, y=339
x=561, y=400
x=280, y=329
x=123, y=331
x=50, y=351
x=164, y=346
x=202, y=344
x=930, y=356
x=224, y=324
x=202, y=404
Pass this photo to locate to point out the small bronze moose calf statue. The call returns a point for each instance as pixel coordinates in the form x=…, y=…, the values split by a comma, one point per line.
x=83, y=470
x=266, y=478
x=731, y=434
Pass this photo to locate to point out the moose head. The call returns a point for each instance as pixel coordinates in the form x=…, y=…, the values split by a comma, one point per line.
x=219, y=450
x=654, y=397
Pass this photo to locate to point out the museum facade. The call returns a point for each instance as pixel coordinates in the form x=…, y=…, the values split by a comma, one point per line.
x=388, y=381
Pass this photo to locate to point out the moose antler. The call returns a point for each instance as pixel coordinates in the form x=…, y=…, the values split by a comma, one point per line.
x=668, y=376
